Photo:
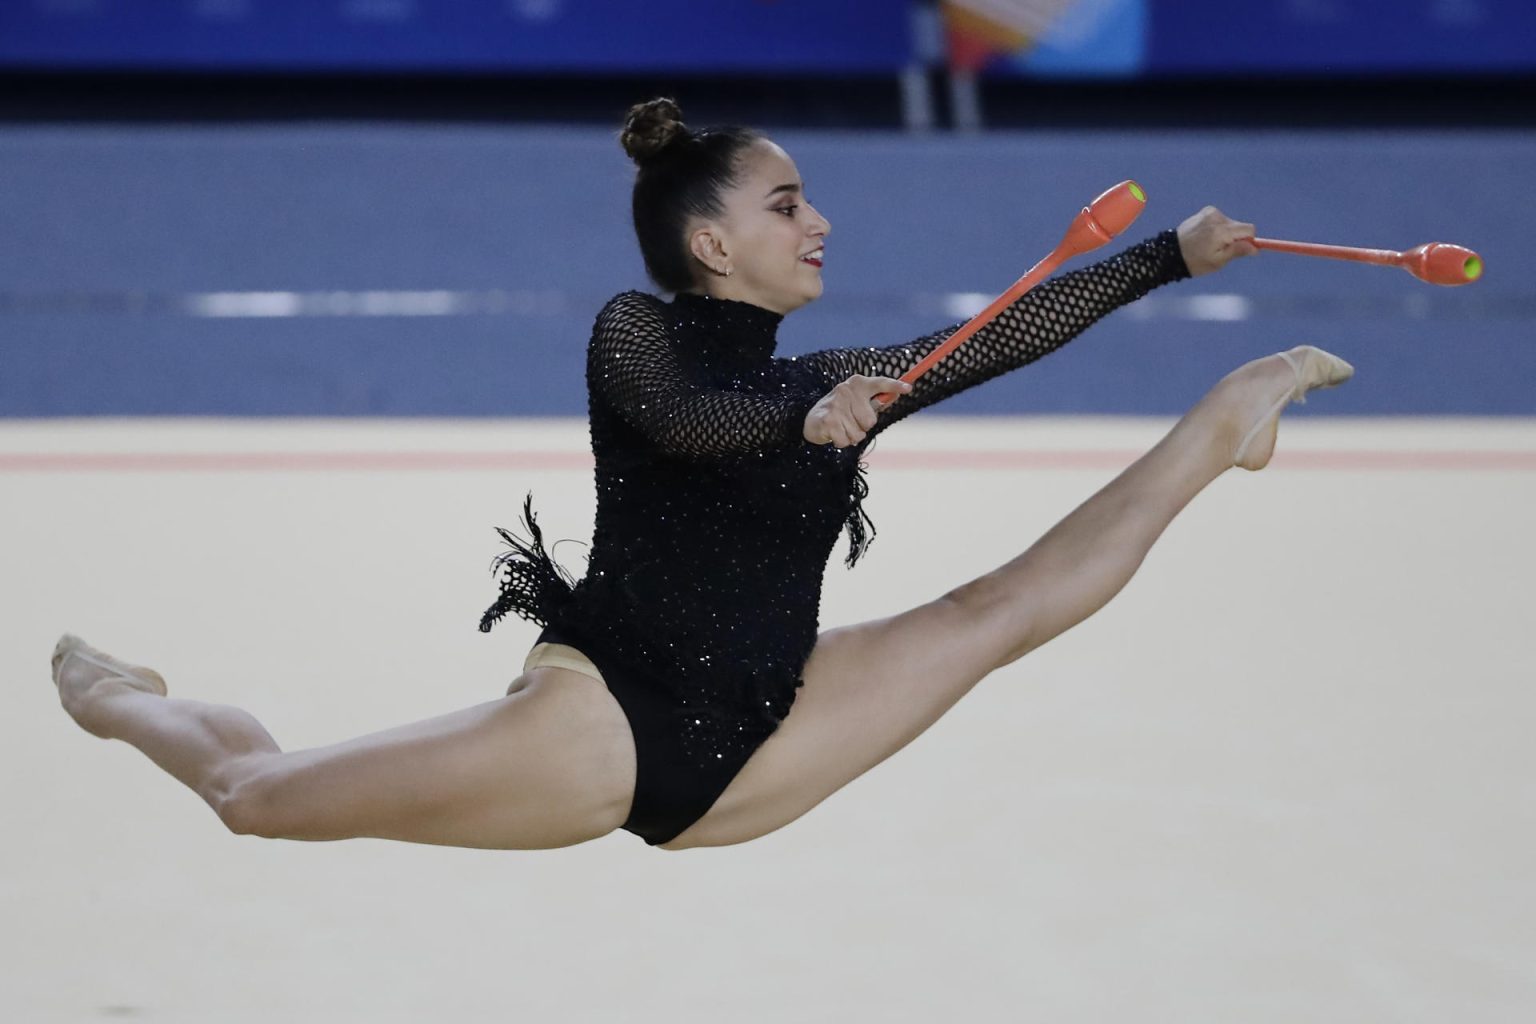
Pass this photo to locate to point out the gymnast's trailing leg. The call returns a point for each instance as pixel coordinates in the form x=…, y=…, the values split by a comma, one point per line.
x=550, y=764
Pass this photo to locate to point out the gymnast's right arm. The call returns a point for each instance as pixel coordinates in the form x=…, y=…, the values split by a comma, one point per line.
x=634, y=368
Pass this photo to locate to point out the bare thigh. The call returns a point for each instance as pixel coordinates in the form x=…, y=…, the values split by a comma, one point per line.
x=869, y=690
x=548, y=765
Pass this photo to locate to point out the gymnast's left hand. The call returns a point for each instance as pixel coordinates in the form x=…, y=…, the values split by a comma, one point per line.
x=1210, y=240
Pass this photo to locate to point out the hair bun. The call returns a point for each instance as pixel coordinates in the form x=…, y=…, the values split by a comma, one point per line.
x=650, y=127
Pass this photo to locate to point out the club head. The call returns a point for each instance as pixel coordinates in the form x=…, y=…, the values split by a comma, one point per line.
x=1443, y=264
x=1104, y=218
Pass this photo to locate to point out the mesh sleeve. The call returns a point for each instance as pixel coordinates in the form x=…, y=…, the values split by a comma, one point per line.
x=1042, y=320
x=634, y=368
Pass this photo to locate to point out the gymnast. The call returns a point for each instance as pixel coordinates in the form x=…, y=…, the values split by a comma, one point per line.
x=680, y=689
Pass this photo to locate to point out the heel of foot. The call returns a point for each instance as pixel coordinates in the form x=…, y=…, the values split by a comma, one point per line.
x=1258, y=448
x=1258, y=445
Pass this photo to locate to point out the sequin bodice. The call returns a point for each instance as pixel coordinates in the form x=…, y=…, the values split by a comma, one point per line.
x=715, y=518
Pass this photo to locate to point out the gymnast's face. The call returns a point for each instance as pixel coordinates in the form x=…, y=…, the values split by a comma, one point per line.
x=768, y=235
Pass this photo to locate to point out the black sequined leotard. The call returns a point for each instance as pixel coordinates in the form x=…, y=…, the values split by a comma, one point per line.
x=715, y=518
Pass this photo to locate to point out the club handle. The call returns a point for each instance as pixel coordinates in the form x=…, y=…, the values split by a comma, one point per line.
x=1037, y=273
x=1380, y=257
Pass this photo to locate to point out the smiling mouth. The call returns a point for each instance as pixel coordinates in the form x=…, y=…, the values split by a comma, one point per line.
x=813, y=258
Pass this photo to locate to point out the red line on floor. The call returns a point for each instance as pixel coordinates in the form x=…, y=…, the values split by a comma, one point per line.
x=284, y=462
x=240, y=462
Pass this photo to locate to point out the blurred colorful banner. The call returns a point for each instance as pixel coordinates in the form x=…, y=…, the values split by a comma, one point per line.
x=1047, y=37
x=1128, y=38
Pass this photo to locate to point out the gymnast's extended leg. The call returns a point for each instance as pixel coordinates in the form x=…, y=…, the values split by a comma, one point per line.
x=872, y=688
x=550, y=764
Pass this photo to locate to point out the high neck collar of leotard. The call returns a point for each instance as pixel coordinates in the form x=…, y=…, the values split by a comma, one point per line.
x=727, y=325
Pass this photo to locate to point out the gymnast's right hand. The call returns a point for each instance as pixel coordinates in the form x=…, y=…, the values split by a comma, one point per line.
x=847, y=413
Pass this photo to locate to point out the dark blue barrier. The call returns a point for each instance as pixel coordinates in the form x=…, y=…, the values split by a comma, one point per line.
x=1093, y=37
x=456, y=271
x=822, y=36
x=1334, y=37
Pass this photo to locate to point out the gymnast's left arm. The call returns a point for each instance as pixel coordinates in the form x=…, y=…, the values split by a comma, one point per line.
x=1046, y=317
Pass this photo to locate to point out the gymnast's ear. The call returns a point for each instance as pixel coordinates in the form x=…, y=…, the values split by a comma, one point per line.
x=707, y=245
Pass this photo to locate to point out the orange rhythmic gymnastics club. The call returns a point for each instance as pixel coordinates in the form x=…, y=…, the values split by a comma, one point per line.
x=1435, y=262
x=1103, y=219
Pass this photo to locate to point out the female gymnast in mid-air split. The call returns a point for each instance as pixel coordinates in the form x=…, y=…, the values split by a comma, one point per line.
x=680, y=689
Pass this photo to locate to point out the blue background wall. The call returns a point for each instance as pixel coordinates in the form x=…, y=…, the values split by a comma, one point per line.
x=115, y=238
x=1117, y=37
x=855, y=35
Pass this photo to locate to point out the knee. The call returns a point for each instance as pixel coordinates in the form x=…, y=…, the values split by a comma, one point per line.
x=250, y=807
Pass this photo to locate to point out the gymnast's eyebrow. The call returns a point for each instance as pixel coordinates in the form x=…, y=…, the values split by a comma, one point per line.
x=782, y=188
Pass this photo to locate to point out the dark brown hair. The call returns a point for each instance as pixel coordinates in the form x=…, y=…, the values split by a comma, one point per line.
x=682, y=175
